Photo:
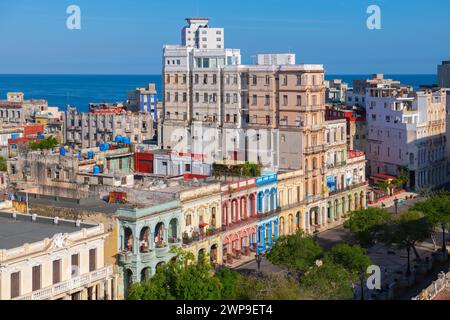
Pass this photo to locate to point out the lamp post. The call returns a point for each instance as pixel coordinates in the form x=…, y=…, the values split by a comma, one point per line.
x=258, y=258
x=361, y=279
x=315, y=235
x=396, y=205
x=444, y=249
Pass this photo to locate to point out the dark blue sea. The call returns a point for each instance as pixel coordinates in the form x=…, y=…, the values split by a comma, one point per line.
x=80, y=90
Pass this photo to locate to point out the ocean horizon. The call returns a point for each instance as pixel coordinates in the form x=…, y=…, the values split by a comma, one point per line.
x=79, y=90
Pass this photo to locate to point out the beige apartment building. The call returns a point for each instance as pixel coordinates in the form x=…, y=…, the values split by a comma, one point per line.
x=53, y=259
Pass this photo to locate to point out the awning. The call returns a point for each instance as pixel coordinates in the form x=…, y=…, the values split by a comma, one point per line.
x=203, y=224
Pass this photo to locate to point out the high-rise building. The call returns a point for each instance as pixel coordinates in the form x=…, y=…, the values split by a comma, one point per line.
x=198, y=34
x=444, y=74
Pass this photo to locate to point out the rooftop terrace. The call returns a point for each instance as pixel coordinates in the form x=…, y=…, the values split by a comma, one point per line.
x=15, y=232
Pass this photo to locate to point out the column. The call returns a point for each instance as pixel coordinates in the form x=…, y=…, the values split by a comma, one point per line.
x=108, y=289
x=101, y=290
x=84, y=294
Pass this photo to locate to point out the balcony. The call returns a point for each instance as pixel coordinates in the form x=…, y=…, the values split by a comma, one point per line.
x=173, y=242
x=147, y=256
x=202, y=236
x=314, y=149
x=348, y=188
x=125, y=257
x=161, y=250
x=310, y=198
x=336, y=165
x=68, y=285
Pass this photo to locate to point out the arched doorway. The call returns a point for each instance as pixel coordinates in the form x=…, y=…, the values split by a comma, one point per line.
x=159, y=235
x=273, y=199
x=260, y=202
x=252, y=205
x=173, y=230
x=128, y=279
x=145, y=274
x=243, y=208
x=144, y=244
x=213, y=254
x=128, y=240
x=201, y=255
x=282, y=230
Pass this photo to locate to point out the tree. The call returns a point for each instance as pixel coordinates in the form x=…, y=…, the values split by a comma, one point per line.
x=44, y=144
x=367, y=223
x=3, y=166
x=296, y=252
x=353, y=258
x=406, y=231
x=437, y=211
x=273, y=287
x=231, y=284
x=182, y=279
x=328, y=281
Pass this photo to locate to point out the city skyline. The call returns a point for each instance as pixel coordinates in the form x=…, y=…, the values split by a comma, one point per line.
x=132, y=39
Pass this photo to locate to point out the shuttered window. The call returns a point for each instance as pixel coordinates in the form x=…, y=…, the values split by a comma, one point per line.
x=15, y=284
x=36, y=278
x=92, y=260
x=56, y=271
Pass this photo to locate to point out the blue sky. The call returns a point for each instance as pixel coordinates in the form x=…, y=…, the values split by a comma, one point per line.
x=126, y=37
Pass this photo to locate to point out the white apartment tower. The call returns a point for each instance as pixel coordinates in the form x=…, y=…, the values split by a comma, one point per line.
x=197, y=34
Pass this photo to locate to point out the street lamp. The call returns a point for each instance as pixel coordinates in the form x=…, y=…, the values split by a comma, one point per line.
x=408, y=270
x=444, y=249
x=361, y=279
x=396, y=205
x=315, y=235
x=258, y=258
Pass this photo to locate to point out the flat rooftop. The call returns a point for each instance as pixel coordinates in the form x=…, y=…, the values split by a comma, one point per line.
x=15, y=233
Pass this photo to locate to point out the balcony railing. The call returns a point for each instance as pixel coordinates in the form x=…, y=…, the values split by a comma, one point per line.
x=351, y=187
x=69, y=285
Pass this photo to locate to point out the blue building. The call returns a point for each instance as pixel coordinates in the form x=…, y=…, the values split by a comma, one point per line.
x=267, y=210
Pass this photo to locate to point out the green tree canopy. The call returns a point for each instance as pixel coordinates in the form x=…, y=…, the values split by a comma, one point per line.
x=353, y=258
x=296, y=252
x=180, y=279
x=329, y=281
x=437, y=211
x=273, y=287
x=407, y=230
x=44, y=144
x=367, y=223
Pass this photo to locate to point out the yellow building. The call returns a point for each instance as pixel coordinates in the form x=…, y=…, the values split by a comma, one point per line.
x=53, y=259
x=201, y=221
x=290, y=201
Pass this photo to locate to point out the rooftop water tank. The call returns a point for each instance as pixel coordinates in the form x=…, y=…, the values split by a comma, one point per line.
x=62, y=151
x=41, y=136
x=118, y=139
x=14, y=136
x=104, y=147
x=96, y=170
x=90, y=154
x=126, y=140
x=79, y=154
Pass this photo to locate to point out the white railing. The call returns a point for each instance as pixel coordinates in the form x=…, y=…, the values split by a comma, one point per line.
x=68, y=285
